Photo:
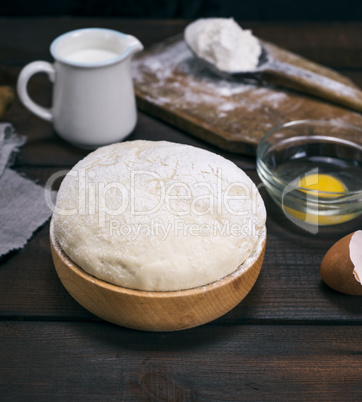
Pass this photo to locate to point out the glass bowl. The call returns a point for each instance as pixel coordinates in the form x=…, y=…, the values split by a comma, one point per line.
x=313, y=170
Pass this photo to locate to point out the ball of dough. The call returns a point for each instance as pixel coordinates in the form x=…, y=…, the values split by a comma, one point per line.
x=158, y=216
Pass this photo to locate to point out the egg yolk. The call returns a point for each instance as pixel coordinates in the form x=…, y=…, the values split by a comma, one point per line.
x=321, y=183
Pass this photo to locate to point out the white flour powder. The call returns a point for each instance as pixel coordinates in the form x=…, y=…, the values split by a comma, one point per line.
x=223, y=43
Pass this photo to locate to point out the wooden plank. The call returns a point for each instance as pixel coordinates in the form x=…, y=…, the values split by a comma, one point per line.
x=19, y=49
x=61, y=361
x=289, y=287
x=335, y=44
x=328, y=43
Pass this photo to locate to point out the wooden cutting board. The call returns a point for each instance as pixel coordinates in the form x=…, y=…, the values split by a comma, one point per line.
x=172, y=85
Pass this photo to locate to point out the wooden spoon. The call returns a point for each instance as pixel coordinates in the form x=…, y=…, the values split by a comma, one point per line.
x=272, y=71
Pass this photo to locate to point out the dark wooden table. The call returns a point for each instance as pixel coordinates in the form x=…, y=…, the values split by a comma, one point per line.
x=291, y=338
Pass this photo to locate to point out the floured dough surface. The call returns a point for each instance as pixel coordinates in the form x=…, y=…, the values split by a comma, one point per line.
x=158, y=216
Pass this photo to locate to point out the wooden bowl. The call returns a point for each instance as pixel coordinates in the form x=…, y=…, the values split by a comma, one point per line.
x=156, y=311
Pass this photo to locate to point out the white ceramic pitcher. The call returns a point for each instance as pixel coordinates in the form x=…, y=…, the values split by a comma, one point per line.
x=93, y=98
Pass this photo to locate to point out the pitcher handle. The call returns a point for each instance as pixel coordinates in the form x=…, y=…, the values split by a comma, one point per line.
x=26, y=73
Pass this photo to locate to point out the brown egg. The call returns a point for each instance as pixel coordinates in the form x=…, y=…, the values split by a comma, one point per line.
x=341, y=267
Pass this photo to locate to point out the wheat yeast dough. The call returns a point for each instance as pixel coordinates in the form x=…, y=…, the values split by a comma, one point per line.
x=158, y=216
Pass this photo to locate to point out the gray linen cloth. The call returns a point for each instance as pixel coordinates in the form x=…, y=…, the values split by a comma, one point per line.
x=22, y=204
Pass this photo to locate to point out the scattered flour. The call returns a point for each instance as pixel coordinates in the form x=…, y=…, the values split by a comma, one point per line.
x=227, y=106
x=164, y=72
x=169, y=76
